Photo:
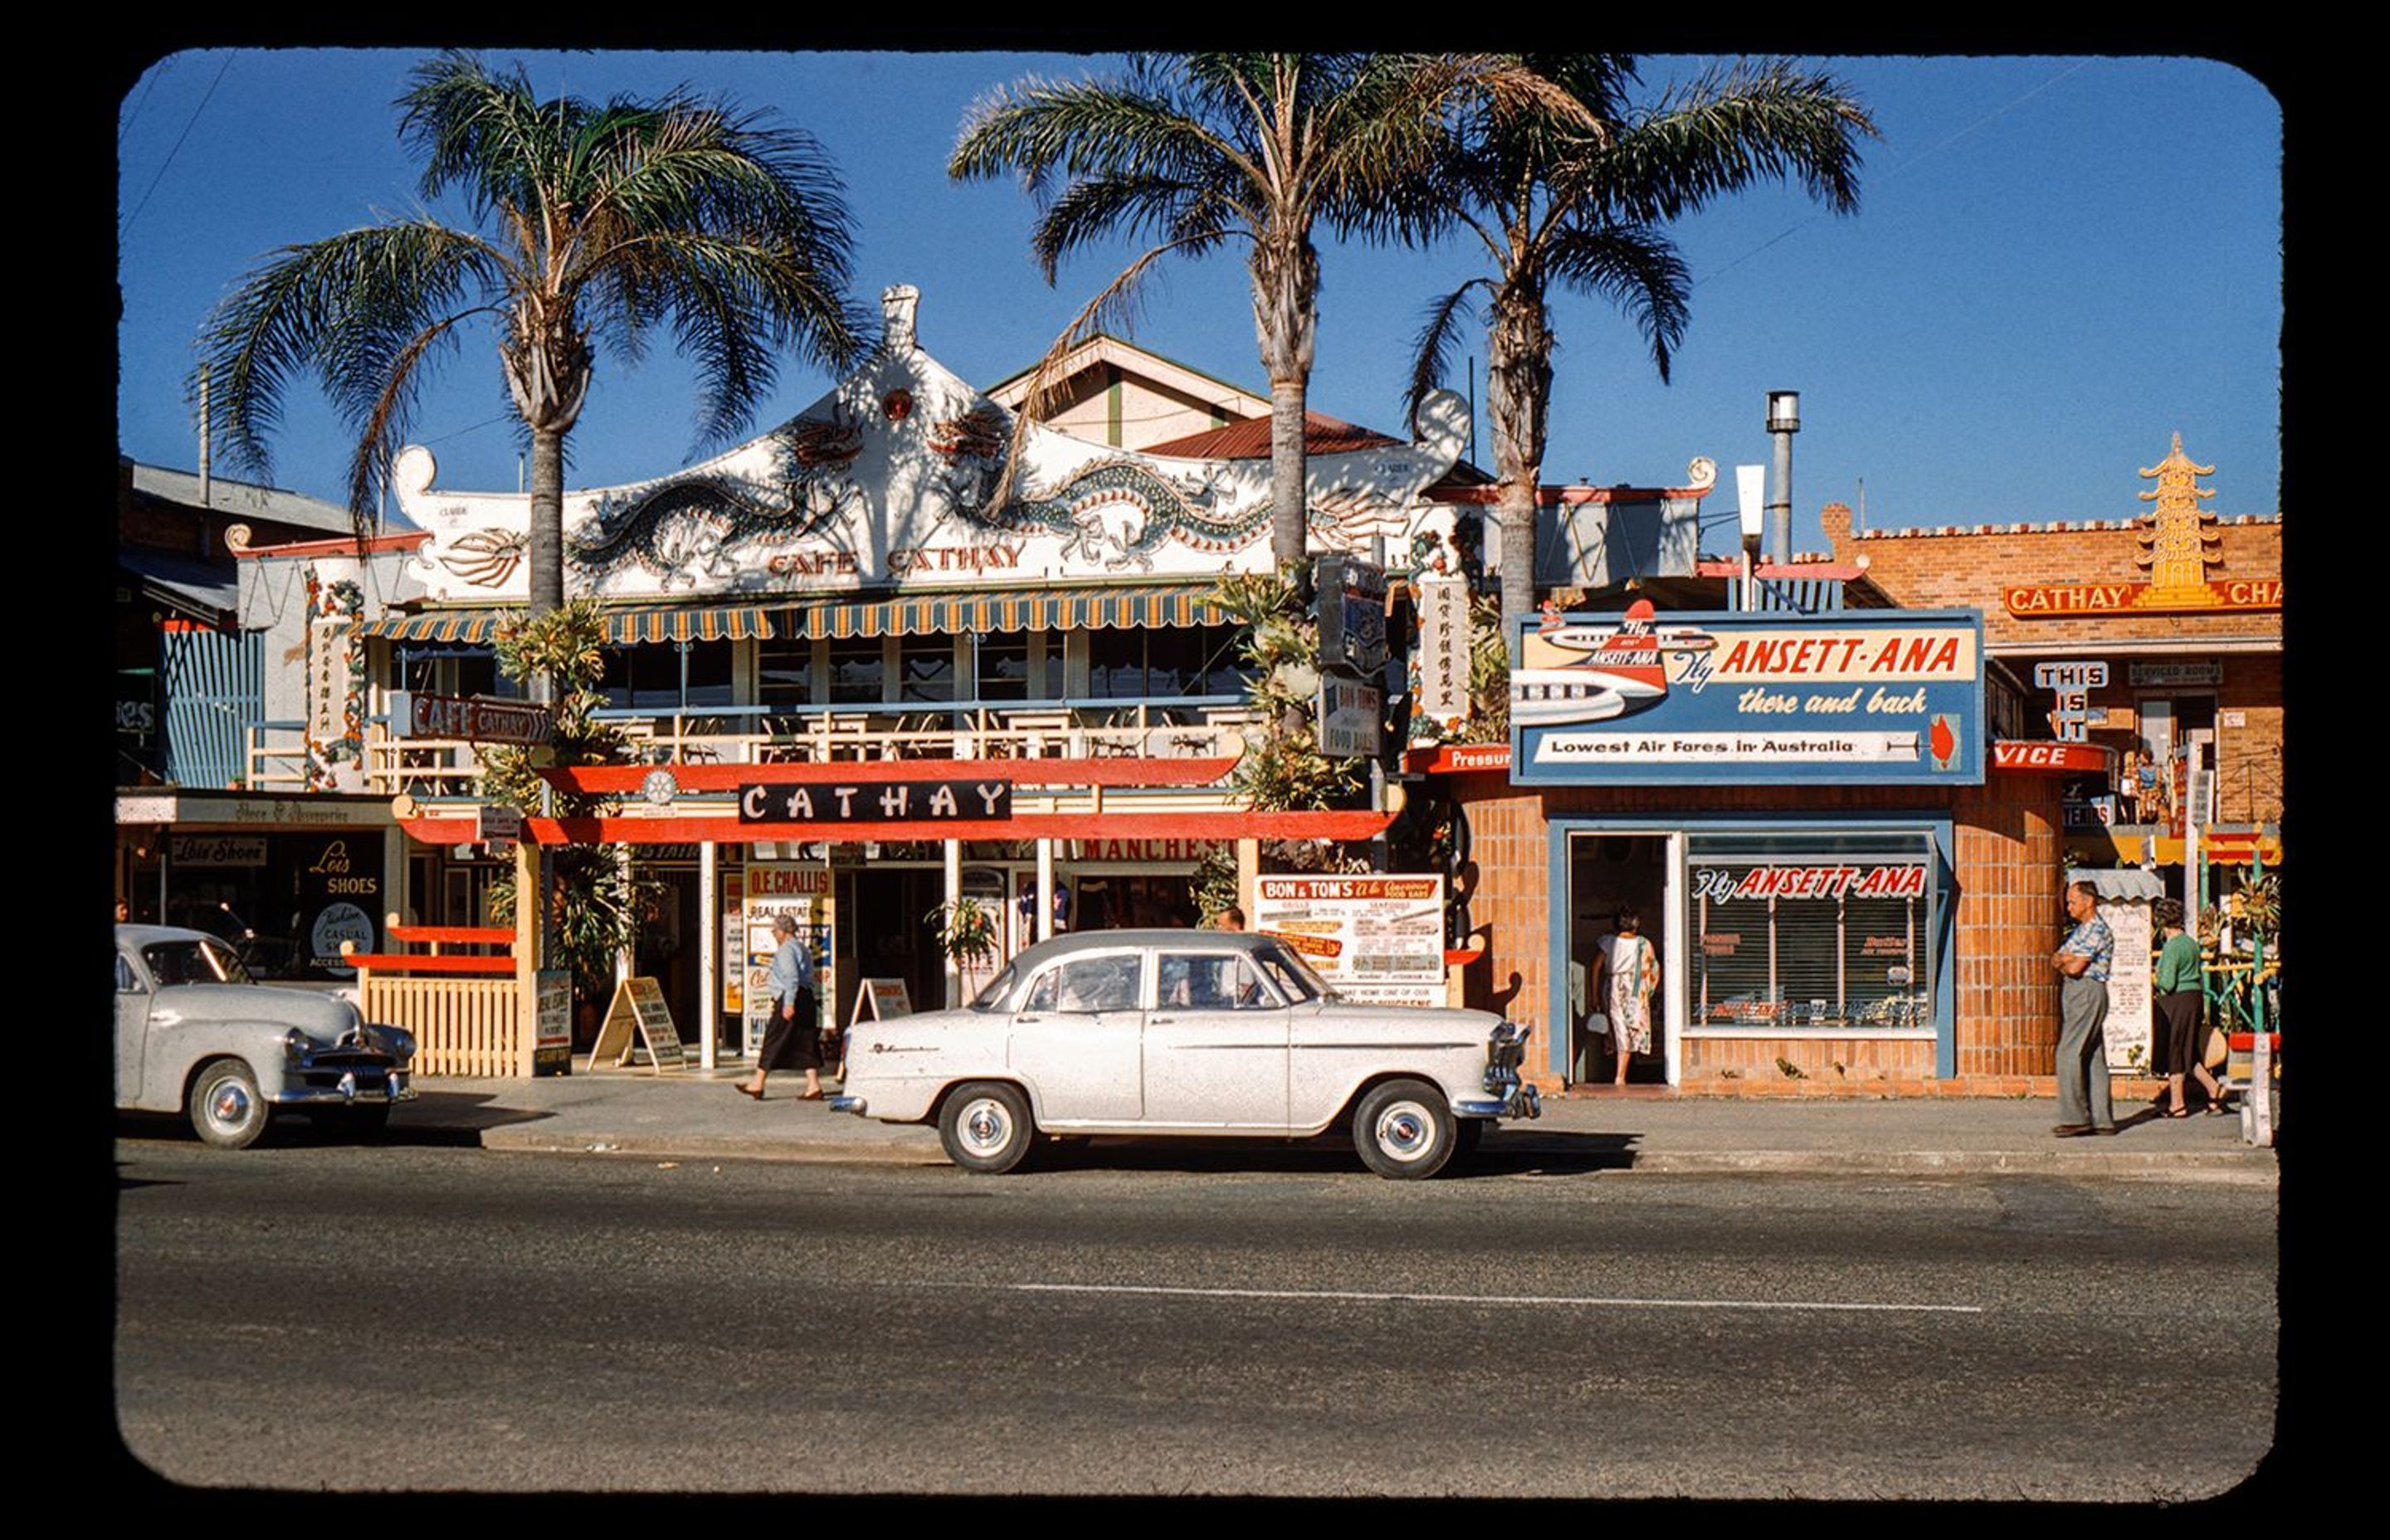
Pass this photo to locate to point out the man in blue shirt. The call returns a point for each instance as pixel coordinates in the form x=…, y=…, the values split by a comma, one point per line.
x=794, y=1037
x=2082, y=961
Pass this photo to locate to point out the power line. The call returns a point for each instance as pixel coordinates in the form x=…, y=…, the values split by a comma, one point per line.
x=120, y=229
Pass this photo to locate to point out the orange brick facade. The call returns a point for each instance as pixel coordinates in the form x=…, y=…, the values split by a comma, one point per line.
x=2008, y=916
x=1972, y=566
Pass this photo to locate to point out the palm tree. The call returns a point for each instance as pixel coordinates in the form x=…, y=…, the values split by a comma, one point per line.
x=1193, y=150
x=1557, y=203
x=592, y=222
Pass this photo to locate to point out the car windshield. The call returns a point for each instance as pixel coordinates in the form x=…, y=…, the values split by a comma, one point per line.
x=1291, y=974
x=999, y=990
x=193, y=962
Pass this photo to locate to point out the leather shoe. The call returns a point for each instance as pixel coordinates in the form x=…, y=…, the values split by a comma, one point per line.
x=2107, y=1133
x=2071, y=1129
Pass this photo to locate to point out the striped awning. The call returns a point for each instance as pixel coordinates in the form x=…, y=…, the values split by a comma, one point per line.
x=1049, y=610
x=624, y=627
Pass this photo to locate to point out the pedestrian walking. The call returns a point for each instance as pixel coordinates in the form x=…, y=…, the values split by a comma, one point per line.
x=794, y=1040
x=2082, y=961
x=1628, y=975
x=2176, y=986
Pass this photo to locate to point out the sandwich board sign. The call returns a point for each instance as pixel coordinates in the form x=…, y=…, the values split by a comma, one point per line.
x=638, y=1008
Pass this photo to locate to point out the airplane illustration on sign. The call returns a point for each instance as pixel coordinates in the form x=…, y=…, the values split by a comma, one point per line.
x=1623, y=669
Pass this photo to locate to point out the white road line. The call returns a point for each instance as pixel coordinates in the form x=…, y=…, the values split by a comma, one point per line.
x=1453, y=1299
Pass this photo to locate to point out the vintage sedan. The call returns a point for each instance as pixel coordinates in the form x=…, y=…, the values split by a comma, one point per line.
x=1186, y=1032
x=196, y=1034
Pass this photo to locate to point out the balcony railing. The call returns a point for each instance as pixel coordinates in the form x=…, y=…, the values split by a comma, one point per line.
x=1157, y=728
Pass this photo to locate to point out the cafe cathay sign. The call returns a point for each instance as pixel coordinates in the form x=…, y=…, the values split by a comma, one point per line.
x=2177, y=548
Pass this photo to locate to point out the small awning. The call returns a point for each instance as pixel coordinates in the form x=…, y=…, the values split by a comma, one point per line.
x=1049, y=610
x=202, y=590
x=624, y=627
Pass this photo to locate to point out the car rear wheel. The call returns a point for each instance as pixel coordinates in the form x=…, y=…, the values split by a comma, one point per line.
x=986, y=1127
x=1405, y=1130
x=226, y=1109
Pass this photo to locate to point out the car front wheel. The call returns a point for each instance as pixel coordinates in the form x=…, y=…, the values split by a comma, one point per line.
x=226, y=1109
x=1405, y=1130
x=986, y=1127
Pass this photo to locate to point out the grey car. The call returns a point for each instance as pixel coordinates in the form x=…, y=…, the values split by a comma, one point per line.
x=1205, y=1032
x=196, y=1034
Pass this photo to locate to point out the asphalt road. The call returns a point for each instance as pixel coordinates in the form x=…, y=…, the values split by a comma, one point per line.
x=1181, y=1322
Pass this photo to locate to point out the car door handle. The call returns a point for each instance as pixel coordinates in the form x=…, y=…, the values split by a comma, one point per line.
x=1162, y=1020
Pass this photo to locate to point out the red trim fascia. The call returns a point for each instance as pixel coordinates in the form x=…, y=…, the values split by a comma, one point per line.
x=460, y=935
x=404, y=541
x=622, y=830
x=1551, y=496
x=623, y=779
x=1458, y=759
x=405, y=962
x=2050, y=757
x=1841, y=572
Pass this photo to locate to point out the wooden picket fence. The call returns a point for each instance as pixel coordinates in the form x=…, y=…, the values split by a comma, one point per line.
x=465, y=1010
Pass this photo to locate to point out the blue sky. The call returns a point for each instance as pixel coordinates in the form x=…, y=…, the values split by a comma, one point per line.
x=2057, y=264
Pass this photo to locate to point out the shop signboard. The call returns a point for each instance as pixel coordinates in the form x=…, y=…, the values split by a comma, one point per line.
x=1378, y=939
x=1352, y=614
x=1444, y=647
x=340, y=896
x=803, y=893
x=1352, y=717
x=2127, y=1030
x=1868, y=697
x=551, y=1050
x=476, y=719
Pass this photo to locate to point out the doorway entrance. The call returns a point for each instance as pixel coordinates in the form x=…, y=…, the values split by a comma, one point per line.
x=1610, y=875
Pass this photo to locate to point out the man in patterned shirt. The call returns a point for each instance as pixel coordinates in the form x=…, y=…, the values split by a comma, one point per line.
x=2082, y=963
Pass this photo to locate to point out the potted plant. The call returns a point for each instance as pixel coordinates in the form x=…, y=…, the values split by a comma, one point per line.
x=966, y=933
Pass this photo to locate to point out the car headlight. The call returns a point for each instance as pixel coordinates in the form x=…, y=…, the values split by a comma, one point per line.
x=297, y=1043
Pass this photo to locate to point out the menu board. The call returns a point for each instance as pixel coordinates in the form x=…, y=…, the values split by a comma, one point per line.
x=1378, y=939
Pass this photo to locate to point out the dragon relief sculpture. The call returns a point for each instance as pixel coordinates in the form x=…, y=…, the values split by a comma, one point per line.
x=1120, y=511
x=685, y=531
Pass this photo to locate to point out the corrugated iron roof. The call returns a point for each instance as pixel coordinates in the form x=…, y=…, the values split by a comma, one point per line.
x=1251, y=439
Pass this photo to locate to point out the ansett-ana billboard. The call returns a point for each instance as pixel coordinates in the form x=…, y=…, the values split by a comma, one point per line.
x=1730, y=699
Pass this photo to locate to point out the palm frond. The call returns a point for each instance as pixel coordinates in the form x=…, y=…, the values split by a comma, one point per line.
x=1088, y=128
x=1432, y=347
x=1728, y=129
x=356, y=310
x=1096, y=208
x=1638, y=269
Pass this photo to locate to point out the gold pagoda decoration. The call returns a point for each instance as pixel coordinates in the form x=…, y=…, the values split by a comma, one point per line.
x=2178, y=547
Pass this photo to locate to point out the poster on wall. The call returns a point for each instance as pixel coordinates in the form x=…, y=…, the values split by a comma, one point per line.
x=2128, y=1027
x=1378, y=939
x=1748, y=699
x=773, y=889
x=552, y=1042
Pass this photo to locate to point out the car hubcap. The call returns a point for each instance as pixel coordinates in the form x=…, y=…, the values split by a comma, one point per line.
x=986, y=1128
x=229, y=1106
x=1405, y=1131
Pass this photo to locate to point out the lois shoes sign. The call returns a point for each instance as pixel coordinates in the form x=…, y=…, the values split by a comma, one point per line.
x=1748, y=699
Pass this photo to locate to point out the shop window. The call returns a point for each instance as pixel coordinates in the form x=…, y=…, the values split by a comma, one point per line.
x=858, y=671
x=651, y=676
x=1173, y=661
x=453, y=671
x=926, y=668
x=1811, y=931
x=1004, y=668
x=784, y=671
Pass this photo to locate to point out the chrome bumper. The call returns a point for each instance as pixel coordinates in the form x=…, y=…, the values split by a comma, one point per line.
x=395, y=1086
x=1516, y=1101
x=845, y=1104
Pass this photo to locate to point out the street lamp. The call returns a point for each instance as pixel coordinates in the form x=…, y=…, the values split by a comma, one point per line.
x=1783, y=422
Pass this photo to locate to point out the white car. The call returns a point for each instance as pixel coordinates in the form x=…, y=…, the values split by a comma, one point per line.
x=1186, y=1032
x=195, y=1034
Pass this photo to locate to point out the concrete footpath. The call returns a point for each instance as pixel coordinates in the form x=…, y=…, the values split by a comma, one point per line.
x=689, y=1114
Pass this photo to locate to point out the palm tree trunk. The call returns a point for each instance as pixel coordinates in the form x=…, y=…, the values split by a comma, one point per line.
x=1518, y=394
x=1289, y=498
x=546, y=534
